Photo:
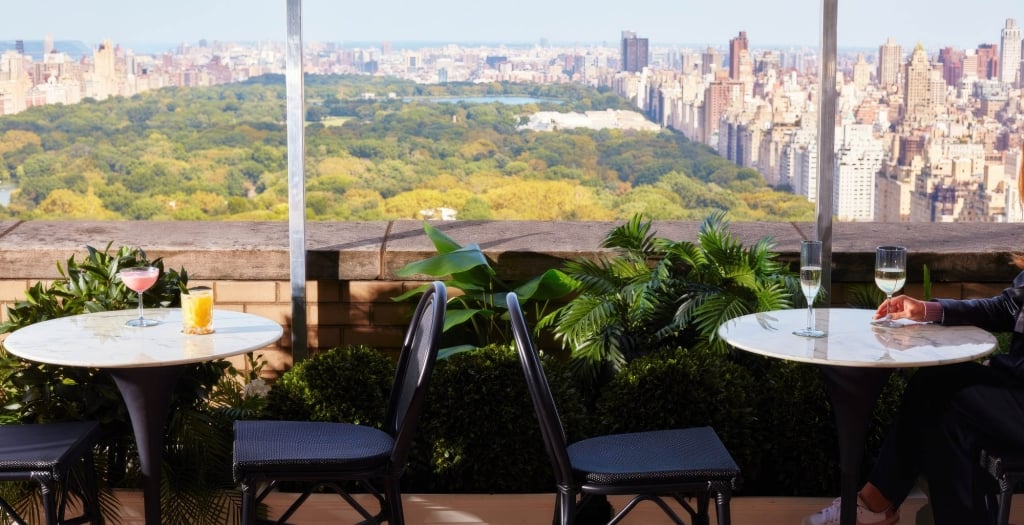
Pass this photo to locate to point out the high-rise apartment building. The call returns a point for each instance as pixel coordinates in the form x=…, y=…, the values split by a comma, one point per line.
x=859, y=158
x=711, y=61
x=736, y=46
x=1009, y=59
x=890, y=60
x=861, y=73
x=952, y=61
x=717, y=97
x=634, y=52
x=916, y=86
x=988, y=61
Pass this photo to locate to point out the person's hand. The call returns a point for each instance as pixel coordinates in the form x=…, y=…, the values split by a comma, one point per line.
x=902, y=307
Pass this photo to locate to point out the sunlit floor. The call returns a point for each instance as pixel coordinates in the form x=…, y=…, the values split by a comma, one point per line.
x=535, y=509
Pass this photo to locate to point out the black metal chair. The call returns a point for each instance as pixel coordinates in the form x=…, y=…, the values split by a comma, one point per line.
x=328, y=454
x=46, y=453
x=1008, y=471
x=653, y=465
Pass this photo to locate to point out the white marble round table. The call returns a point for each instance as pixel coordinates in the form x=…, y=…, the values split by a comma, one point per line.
x=145, y=362
x=853, y=341
x=856, y=359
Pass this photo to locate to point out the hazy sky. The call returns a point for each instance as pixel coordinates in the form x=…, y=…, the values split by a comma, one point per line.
x=934, y=23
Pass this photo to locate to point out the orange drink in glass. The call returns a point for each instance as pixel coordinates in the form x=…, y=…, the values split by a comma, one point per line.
x=197, y=311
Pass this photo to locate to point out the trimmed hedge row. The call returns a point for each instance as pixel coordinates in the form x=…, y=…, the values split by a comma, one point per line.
x=479, y=433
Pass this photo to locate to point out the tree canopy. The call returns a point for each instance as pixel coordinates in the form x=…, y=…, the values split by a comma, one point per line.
x=376, y=148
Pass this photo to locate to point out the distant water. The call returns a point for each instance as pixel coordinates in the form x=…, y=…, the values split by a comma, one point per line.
x=34, y=48
x=5, y=194
x=502, y=99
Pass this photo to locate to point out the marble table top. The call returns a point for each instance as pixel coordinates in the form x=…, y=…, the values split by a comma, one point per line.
x=853, y=341
x=102, y=340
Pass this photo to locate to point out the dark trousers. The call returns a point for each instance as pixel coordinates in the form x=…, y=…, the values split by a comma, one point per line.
x=949, y=414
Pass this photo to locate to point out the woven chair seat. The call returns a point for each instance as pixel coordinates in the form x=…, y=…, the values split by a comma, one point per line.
x=49, y=447
x=273, y=447
x=45, y=453
x=685, y=455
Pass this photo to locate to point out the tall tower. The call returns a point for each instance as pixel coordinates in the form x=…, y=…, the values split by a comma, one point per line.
x=861, y=73
x=634, y=52
x=1009, y=58
x=890, y=57
x=916, y=93
x=736, y=47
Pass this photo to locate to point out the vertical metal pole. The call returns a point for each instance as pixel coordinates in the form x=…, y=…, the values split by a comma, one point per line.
x=296, y=178
x=826, y=139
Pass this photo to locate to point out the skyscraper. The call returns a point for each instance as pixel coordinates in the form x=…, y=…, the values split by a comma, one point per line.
x=711, y=61
x=736, y=47
x=634, y=52
x=1009, y=58
x=916, y=93
x=952, y=61
x=890, y=58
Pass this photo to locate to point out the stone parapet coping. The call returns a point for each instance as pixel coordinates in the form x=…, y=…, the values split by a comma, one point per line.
x=368, y=251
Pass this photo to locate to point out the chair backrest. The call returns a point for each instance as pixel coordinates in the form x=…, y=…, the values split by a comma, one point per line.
x=540, y=393
x=415, y=364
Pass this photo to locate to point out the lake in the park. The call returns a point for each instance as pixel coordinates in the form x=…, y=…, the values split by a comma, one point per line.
x=502, y=99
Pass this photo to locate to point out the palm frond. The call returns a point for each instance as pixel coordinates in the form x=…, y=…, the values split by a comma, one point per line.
x=634, y=236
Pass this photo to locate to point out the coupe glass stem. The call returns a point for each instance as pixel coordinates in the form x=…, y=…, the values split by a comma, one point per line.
x=140, y=308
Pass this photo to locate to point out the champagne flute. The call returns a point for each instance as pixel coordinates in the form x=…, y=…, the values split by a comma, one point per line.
x=890, y=276
x=139, y=280
x=810, y=283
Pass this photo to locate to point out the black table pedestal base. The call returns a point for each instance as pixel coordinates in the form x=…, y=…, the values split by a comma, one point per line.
x=147, y=394
x=853, y=392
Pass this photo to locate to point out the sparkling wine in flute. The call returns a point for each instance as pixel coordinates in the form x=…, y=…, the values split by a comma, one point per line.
x=810, y=280
x=890, y=276
x=890, y=279
x=810, y=283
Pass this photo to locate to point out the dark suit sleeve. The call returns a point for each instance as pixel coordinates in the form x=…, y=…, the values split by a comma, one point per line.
x=1001, y=313
x=995, y=314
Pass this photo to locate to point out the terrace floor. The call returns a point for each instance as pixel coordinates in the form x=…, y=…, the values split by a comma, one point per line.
x=534, y=509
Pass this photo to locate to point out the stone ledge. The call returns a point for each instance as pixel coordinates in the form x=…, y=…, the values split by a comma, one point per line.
x=374, y=251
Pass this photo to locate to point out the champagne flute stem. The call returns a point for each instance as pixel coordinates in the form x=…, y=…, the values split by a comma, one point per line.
x=810, y=314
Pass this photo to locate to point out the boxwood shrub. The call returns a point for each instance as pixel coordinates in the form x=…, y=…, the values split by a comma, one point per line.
x=680, y=387
x=796, y=430
x=481, y=428
x=349, y=384
x=479, y=433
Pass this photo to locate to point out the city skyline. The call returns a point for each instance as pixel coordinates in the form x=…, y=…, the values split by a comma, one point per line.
x=933, y=23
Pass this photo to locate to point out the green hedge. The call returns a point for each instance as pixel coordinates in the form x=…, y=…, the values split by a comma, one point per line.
x=482, y=433
x=479, y=432
x=350, y=384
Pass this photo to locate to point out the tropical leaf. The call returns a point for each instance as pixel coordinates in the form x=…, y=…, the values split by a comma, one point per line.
x=655, y=293
x=479, y=313
x=452, y=262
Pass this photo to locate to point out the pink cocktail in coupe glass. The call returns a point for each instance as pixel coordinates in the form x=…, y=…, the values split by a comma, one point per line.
x=139, y=280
